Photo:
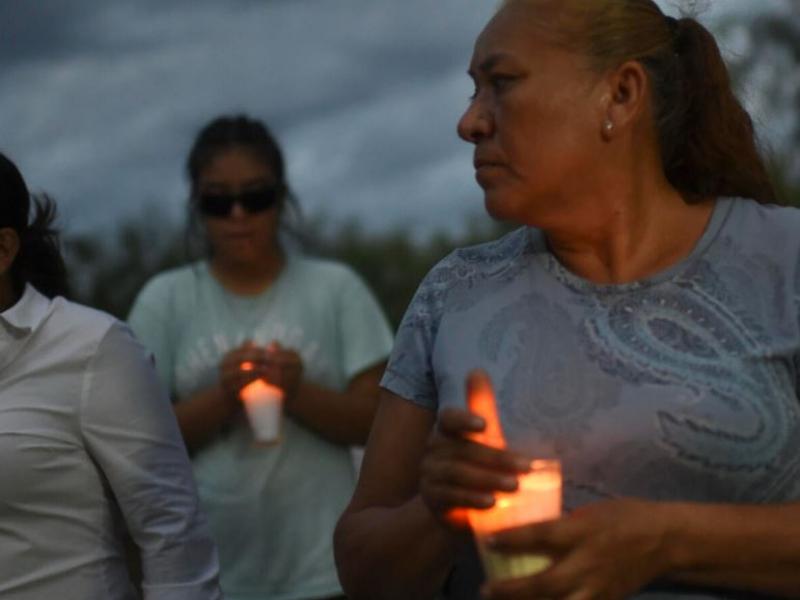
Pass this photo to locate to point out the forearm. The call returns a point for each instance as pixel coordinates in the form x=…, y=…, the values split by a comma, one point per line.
x=388, y=553
x=341, y=417
x=754, y=547
x=202, y=415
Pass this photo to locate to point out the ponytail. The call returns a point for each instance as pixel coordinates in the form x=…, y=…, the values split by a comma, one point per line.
x=39, y=261
x=707, y=139
x=707, y=142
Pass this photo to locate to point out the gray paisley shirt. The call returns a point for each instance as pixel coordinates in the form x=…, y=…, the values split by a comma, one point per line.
x=682, y=386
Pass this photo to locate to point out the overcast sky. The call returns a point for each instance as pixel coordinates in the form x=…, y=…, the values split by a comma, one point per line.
x=101, y=100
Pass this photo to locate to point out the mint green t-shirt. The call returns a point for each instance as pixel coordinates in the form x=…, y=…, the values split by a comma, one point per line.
x=272, y=510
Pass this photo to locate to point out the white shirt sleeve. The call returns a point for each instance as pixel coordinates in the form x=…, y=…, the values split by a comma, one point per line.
x=130, y=431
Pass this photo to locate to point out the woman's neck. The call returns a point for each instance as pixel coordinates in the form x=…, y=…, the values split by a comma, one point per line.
x=632, y=234
x=247, y=277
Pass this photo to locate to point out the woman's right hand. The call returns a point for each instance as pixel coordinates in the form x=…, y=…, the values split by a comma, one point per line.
x=458, y=473
x=239, y=367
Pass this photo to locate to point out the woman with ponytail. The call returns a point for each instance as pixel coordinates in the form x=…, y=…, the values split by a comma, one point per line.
x=89, y=447
x=643, y=327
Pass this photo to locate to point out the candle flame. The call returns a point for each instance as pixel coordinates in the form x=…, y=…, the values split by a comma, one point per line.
x=538, y=498
x=258, y=389
x=481, y=401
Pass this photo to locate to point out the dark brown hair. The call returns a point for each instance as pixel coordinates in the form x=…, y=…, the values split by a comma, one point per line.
x=39, y=261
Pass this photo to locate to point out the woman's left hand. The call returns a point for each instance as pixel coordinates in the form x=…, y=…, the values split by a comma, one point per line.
x=284, y=369
x=607, y=551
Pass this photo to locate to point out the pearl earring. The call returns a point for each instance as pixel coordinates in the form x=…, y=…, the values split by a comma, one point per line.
x=608, y=126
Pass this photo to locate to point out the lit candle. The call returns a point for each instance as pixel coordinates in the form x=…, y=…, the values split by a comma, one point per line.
x=263, y=404
x=481, y=401
x=538, y=495
x=538, y=498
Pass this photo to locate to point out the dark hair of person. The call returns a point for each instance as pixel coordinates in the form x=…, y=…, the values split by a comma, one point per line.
x=707, y=140
x=229, y=132
x=39, y=261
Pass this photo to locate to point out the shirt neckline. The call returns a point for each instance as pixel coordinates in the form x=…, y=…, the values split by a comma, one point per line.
x=28, y=312
x=248, y=299
x=721, y=211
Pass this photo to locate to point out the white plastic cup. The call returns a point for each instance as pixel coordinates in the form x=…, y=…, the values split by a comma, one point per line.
x=538, y=498
x=263, y=404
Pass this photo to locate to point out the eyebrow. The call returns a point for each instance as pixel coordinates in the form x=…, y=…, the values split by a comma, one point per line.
x=489, y=62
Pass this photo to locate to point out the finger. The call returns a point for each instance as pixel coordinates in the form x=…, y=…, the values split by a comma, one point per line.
x=466, y=475
x=459, y=422
x=465, y=451
x=236, y=358
x=545, y=536
x=444, y=498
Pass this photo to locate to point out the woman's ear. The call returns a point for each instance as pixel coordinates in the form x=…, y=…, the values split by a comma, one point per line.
x=627, y=97
x=9, y=248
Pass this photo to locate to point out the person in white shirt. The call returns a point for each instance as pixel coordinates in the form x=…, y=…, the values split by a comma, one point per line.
x=89, y=446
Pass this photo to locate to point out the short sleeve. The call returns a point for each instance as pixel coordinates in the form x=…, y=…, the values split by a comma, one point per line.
x=410, y=372
x=150, y=321
x=130, y=432
x=364, y=332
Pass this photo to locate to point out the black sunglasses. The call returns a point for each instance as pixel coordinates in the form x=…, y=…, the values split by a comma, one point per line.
x=215, y=204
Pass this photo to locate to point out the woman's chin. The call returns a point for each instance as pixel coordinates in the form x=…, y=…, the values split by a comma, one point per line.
x=499, y=206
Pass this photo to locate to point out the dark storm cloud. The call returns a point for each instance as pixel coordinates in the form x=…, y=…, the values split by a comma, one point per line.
x=107, y=96
x=100, y=100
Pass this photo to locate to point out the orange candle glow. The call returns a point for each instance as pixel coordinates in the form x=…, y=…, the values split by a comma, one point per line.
x=246, y=366
x=263, y=404
x=481, y=401
x=538, y=498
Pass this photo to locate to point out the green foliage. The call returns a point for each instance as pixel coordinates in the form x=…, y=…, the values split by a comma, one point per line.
x=108, y=274
x=765, y=70
x=393, y=264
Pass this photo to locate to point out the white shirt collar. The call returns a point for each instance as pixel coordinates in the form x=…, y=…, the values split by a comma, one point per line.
x=27, y=313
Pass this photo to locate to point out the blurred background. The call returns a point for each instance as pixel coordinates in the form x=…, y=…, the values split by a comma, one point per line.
x=101, y=100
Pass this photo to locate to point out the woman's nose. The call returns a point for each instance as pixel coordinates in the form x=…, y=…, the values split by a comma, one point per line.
x=237, y=211
x=475, y=123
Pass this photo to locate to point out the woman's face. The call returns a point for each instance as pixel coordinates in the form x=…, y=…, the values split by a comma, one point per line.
x=240, y=236
x=535, y=120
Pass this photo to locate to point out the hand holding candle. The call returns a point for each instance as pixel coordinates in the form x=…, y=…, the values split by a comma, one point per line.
x=537, y=498
x=264, y=406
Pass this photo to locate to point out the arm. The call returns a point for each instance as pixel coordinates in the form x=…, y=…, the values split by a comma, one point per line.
x=388, y=544
x=130, y=432
x=202, y=415
x=749, y=547
x=399, y=534
x=341, y=417
x=364, y=339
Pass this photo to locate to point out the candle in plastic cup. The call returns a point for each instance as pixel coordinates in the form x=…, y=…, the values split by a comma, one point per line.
x=263, y=404
x=538, y=498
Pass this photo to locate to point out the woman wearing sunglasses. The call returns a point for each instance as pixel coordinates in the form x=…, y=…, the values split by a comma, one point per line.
x=251, y=309
x=89, y=447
